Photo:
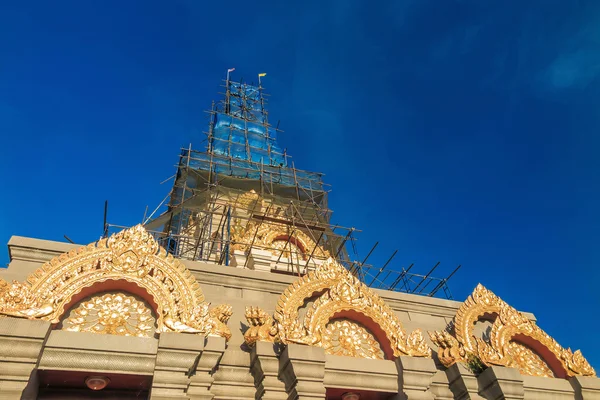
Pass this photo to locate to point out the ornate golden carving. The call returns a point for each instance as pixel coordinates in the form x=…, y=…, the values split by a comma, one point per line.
x=131, y=256
x=17, y=300
x=250, y=200
x=449, y=350
x=269, y=234
x=536, y=366
x=337, y=292
x=347, y=338
x=219, y=316
x=510, y=339
x=203, y=320
x=260, y=326
x=290, y=249
x=112, y=314
x=130, y=250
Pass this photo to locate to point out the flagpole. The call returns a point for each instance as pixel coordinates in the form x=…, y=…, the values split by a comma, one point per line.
x=229, y=70
x=259, y=76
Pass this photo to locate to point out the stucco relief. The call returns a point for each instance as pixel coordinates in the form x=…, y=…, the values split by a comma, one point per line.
x=271, y=235
x=335, y=293
x=130, y=258
x=513, y=341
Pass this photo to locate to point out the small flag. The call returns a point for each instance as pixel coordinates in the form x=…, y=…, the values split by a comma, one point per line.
x=231, y=70
x=262, y=74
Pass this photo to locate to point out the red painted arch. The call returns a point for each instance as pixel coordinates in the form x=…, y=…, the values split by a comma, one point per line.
x=372, y=326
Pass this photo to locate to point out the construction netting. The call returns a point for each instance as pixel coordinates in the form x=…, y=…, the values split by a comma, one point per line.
x=241, y=131
x=242, y=144
x=248, y=169
x=245, y=140
x=246, y=102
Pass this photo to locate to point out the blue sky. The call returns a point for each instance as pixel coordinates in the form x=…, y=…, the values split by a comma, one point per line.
x=464, y=132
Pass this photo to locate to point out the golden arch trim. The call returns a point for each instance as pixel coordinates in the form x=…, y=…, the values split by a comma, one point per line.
x=131, y=255
x=509, y=343
x=335, y=291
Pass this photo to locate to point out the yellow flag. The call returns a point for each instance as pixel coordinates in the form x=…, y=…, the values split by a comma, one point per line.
x=262, y=74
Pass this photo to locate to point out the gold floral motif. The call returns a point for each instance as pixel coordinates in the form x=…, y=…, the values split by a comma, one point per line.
x=505, y=345
x=347, y=338
x=130, y=251
x=112, y=314
x=336, y=291
x=130, y=256
x=260, y=326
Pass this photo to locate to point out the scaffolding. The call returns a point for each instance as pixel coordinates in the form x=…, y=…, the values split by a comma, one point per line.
x=242, y=185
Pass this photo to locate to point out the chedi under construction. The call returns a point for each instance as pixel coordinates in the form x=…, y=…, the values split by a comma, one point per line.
x=239, y=286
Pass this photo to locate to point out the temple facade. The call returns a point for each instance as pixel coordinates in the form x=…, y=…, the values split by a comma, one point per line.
x=242, y=289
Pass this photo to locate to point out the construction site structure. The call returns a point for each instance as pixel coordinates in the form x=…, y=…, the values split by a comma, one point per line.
x=242, y=202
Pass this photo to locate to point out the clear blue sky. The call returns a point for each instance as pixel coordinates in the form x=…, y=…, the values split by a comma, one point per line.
x=464, y=132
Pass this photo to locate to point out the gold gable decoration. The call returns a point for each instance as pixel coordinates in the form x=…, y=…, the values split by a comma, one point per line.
x=507, y=343
x=335, y=292
x=250, y=201
x=132, y=256
x=267, y=234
